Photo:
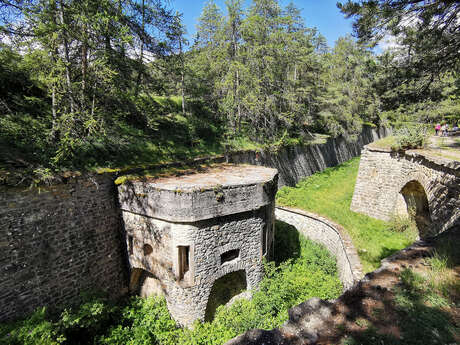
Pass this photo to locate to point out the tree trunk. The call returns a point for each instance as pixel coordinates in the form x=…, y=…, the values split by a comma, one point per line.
x=182, y=84
x=84, y=65
x=141, y=57
x=67, y=59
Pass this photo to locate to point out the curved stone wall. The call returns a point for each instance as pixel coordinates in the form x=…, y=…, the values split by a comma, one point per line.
x=329, y=234
x=384, y=174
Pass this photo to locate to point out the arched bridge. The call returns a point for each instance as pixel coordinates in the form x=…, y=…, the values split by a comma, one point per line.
x=412, y=182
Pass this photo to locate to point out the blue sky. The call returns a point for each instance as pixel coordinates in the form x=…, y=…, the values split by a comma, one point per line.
x=322, y=14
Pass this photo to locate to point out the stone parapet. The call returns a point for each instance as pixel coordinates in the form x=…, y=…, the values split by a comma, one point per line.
x=331, y=235
x=227, y=189
x=381, y=189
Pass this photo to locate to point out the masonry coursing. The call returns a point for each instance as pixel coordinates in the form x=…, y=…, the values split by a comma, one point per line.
x=297, y=162
x=383, y=174
x=58, y=241
x=238, y=219
x=329, y=234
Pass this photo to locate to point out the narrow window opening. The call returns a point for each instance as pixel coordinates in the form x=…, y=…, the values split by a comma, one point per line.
x=264, y=241
x=184, y=261
x=130, y=244
x=229, y=256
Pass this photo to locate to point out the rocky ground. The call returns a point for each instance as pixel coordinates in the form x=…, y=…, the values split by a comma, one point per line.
x=413, y=298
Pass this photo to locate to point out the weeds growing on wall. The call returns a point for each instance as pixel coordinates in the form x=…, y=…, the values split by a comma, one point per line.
x=411, y=137
x=301, y=270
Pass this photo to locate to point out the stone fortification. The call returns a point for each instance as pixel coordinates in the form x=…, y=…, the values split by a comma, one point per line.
x=389, y=183
x=297, y=162
x=184, y=234
x=58, y=241
x=329, y=234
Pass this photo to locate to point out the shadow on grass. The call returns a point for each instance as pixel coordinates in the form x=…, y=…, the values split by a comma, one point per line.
x=405, y=320
x=420, y=309
x=287, y=242
x=376, y=259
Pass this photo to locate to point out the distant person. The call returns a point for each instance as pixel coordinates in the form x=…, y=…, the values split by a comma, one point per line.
x=437, y=128
x=447, y=129
x=443, y=130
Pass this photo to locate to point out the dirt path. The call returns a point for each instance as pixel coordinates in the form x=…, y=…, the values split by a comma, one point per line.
x=447, y=147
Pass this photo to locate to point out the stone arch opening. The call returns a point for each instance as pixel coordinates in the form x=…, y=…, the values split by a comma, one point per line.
x=413, y=202
x=144, y=283
x=223, y=290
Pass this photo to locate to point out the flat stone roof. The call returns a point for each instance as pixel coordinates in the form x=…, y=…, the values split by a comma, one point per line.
x=225, y=175
x=218, y=191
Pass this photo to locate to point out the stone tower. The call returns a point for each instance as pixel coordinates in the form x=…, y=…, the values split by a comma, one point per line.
x=200, y=238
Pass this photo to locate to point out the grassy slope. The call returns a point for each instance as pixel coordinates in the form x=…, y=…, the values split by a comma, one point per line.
x=329, y=194
x=423, y=306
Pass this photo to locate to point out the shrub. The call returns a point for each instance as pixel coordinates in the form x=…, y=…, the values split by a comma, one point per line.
x=36, y=329
x=411, y=137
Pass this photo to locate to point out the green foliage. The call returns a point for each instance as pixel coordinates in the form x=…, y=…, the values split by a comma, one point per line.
x=351, y=98
x=411, y=137
x=329, y=193
x=419, y=302
x=308, y=272
x=82, y=94
x=36, y=329
x=427, y=32
x=403, y=224
x=270, y=78
x=143, y=322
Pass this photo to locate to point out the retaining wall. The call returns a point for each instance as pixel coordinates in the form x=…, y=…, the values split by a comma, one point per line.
x=58, y=241
x=329, y=234
x=297, y=162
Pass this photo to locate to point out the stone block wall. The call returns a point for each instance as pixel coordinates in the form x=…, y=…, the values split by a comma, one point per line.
x=297, y=162
x=383, y=175
x=58, y=241
x=329, y=234
x=187, y=232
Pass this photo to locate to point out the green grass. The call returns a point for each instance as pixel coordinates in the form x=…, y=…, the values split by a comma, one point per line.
x=385, y=143
x=424, y=305
x=301, y=269
x=329, y=193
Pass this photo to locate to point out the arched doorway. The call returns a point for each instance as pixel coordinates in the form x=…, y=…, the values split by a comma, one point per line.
x=144, y=283
x=223, y=290
x=414, y=203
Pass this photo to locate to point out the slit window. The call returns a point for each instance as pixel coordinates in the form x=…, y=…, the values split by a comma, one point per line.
x=264, y=241
x=229, y=256
x=184, y=261
x=130, y=244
